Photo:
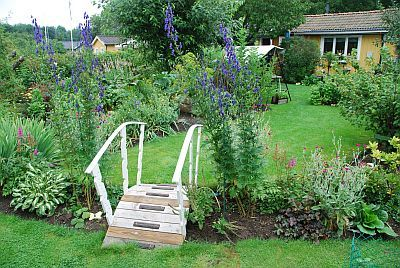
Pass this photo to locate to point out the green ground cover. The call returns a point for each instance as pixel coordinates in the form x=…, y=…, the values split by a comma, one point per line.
x=294, y=126
x=29, y=243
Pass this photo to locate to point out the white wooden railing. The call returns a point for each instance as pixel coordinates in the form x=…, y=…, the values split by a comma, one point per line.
x=94, y=168
x=177, y=178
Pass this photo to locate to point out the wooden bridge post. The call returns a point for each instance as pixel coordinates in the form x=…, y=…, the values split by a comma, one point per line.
x=124, y=156
x=140, y=155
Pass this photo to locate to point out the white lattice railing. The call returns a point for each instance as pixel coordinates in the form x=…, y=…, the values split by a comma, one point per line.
x=94, y=168
x=177, y=178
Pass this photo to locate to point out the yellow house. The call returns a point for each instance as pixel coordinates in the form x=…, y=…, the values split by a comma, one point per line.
x=102, y=43
x=340, y=33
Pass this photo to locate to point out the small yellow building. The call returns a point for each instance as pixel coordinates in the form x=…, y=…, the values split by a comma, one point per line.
x=340, y=33
x=102, y=43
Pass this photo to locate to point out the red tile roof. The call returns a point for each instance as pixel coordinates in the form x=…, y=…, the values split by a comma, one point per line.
x=364, y=21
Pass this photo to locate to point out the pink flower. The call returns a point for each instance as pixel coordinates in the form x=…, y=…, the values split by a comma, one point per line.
x=35, y=152
x=358, y=145
x=292, y=163
x=20, y=133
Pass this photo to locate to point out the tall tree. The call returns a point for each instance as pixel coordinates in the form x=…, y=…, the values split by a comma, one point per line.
x=335, y=6
x=272, y=18
x=196, y=21
x=392, y=19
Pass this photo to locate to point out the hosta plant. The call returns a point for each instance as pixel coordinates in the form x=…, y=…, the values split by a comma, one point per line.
x=40, y=191
x=372, y=219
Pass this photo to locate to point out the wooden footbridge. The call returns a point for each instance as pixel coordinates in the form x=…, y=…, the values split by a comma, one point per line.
x=149, y=214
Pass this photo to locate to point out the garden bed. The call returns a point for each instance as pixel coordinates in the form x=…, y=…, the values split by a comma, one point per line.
x=60, y=217
x=260, y=226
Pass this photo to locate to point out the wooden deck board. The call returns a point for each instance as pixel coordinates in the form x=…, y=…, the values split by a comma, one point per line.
x=135, y=207
x=165, y=227
x=153, y=200
x=146, y=215
x=145, y=235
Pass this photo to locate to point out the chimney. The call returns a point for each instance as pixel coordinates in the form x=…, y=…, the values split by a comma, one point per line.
x=327, y=8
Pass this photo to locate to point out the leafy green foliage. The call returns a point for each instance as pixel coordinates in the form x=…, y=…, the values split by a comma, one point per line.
x=225, y=98
x=278, y=22
x=391, y=159
x=325, y=93
x=41, y=190
x=37, y=107
x=150, y=104
x=310, y=80
x=195, y=21
x=337, y=186
x=202, y=201
x=392, y=19
x=301, y=57
x=336, y=6
x=24, y=141
x=43, y=138
x=271, y=198
x=372, y=219
x=80, y=216
x=301, y=220
x=370, y=97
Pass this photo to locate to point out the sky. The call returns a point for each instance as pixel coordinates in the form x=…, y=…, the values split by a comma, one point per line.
x=47, y=12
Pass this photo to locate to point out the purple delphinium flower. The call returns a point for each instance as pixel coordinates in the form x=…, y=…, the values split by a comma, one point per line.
x=35, y=152
x=38, y=36
x=86, y=32
x=170, y=30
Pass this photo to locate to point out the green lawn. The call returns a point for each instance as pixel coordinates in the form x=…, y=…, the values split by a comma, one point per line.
x=294, y=126
x=28, y=243
x=25, y=243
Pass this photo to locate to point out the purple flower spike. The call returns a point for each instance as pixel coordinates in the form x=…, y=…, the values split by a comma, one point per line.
x=20, y=133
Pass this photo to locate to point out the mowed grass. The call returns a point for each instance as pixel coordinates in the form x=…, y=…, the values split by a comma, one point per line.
x=294, y=126
x=29, y=243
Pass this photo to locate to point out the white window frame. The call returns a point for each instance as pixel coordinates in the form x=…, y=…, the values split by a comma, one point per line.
x=345, y=44
x=281, y=39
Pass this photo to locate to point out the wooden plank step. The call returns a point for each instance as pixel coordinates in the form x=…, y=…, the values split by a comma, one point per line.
x=147, y=207
x=154, y=192
x=145, y=235
x=146, y=215
x=153, y=200
x=164, y=227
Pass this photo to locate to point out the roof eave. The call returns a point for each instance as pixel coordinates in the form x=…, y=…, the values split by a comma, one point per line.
x=335, y=32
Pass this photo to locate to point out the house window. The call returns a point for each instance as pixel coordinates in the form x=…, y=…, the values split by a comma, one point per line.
x=266, y=41
x=328, y=45
x=352, y=44
x=341, y=45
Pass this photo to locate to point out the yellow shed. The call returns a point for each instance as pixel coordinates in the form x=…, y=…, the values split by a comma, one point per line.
x=340, y=33
x=102, y=43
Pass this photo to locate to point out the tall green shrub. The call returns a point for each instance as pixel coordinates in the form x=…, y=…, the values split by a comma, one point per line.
x=226, y=97
x=371, y=97
x=301, y=58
